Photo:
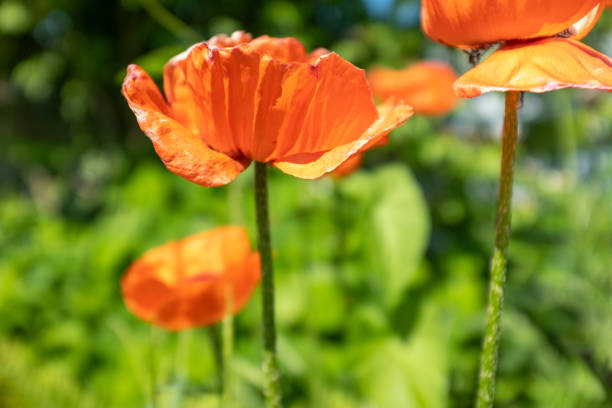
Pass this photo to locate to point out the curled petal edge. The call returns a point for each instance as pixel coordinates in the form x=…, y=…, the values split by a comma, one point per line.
x=581, y=28
x=311, y=166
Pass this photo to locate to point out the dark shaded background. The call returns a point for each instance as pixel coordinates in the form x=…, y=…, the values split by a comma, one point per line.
x=381, y=276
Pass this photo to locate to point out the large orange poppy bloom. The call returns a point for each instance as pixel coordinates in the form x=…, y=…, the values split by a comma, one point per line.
x=539, y=52
x=188, y=283
x=474, y=23
x=232, y=100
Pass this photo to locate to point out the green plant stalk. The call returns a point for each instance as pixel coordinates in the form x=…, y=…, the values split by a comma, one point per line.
x=214, y=334
x=488, y=360
x=272, y=391
x=227, y=335
x=152, y=369
x=170, y=21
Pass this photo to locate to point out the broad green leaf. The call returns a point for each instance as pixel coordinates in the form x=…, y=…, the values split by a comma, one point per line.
x=410, y=373
x=400, y=230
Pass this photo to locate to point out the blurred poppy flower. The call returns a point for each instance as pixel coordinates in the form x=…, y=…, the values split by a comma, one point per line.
x=235, y=99
x=188, y=283
x=427, y=86
x=540, y=51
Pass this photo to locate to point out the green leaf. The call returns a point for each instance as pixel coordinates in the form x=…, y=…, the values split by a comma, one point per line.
x=400, y=227
x=408, y=374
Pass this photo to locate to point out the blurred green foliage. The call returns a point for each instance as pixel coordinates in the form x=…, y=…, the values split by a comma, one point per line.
x=381, y=277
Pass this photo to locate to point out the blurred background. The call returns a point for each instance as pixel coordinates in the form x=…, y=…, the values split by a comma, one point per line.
x=381, y=276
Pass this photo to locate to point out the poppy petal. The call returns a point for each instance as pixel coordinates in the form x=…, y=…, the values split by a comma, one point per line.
x=539, y=66
x=314, y=165
x=286, y=49
x=469, y=23
x=586, y=24
x=192, y=112
x=237, y=37
x=427, y=86
x=339, y=111
x=196, y=304
x=314, y=56
x=264, y=108
x=142, y=292
x=183, y=153
x=347, y=167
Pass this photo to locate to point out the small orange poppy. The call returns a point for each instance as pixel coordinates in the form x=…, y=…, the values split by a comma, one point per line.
x=427, y=86
x=188, y=283
x=234, y=99
x=472, y=24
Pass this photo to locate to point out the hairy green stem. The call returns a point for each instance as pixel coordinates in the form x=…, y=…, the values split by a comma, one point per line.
x=227, y=335
x=152, y=369
x=488, y=360
x=272, y=390
x=214, y=334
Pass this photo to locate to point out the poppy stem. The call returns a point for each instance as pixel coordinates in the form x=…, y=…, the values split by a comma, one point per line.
x=152, y=368
x=489, y=357
x=272, y=390
x=227, y=335
x=214, y=334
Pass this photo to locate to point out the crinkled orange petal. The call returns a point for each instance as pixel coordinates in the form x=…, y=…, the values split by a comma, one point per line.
x=182, y=151
x=581, y=28
x=187, y=283
x=237, y=37
x=314, y=56
x=347, y=167
x=186, y=108
x=286, y=49
x=324, y=106
x=427, y=86
x=473, y=23
x=538, y=66
x=314, y=165
x=265, y=108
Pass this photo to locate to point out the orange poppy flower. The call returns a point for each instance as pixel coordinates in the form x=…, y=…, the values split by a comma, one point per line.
x=427, y=86
x=470, y=24
x=188, y=283
x=524, y=63
x=234, y=99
